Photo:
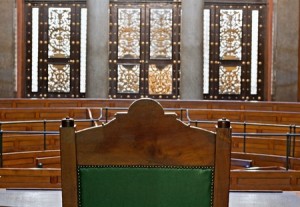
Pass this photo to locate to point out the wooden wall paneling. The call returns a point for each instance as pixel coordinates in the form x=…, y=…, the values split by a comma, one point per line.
x=26, y=159
x=30, y=178
x=265, y=180
x=20, y=143
x=202, y=104
x=48, y=162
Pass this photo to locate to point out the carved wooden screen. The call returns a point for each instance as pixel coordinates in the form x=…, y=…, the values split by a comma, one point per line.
x=234, y=50
x=144, y=56
x=55, y=49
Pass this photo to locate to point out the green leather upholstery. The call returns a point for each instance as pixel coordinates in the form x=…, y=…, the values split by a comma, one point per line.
x=144, y=186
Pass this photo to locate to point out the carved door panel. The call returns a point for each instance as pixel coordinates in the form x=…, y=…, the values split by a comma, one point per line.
x=144, y=50
x=55, y=49
x=234, y=51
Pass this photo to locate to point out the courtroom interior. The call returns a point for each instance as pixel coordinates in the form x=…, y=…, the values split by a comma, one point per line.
x=127, y=102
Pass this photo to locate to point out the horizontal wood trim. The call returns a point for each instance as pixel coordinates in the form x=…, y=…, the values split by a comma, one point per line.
x=30, y=178
x=264, y=160
x=259, y=115
x=12, y=114
x=237, y=163
x=254, y=116
x=240, y=179
x=26, y=159
x=259, y=145
x=29, y=143
x=265, y=180
x=49, y=162
x=243, y=2
x=204, y=104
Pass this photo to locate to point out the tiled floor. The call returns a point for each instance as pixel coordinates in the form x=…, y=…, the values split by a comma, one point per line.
x=45, y=198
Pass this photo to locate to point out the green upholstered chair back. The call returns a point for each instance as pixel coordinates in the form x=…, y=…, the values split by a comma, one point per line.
x=145, y=158
x=145, y=186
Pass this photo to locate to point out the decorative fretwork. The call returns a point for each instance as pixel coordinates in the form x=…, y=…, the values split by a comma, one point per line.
x=230, y=80
x=161, y=33
x=129, y=33
x=160, y=80
x=59, y=32
x=231, y=34
x=59, y=78
x=144, y=56
x=55, y=49
x=128, y=78
x=234, y=50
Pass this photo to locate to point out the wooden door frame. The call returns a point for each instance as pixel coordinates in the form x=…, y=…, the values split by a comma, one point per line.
x=268, y=47
x=21, y=45
x=144, y=59
x=269, y=51
x=20, y=48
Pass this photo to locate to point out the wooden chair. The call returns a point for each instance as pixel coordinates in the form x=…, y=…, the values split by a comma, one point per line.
x=145, y=158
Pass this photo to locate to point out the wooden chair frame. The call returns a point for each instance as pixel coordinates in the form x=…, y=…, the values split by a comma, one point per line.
x=145, y=136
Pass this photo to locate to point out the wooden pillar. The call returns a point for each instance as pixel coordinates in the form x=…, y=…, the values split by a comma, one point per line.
x=68, y=163
x=223, y=147
x=20, y=48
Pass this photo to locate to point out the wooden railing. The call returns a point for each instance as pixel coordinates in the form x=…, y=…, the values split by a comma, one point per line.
x=264, y=134
x=196, y=104
x=28, y=159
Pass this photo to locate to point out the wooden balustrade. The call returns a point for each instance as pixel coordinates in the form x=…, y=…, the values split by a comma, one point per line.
x=271, y=150
x=197, y=104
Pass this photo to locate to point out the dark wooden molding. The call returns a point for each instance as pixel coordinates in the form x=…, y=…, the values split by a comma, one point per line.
x=20, y=49
x=237, y=1
x=143, y=1
x=269, y=52
x=54, y=1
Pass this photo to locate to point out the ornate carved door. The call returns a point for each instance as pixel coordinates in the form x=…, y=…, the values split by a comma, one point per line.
x=144, y=54
x=234, y=50
x=55, y=48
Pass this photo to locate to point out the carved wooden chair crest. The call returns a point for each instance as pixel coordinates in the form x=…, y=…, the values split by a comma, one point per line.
x=145, y=158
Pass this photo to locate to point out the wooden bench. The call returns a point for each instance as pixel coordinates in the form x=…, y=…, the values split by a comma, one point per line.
x=265, y=160
x=23, y=143
x=276, y=117
x=30, y=178
x=264, y=145
x=251, y=109
x=240, y=163
x=26, y=159
x=22, y=114
x=48, y=162
x=265, y=180
x=239, y=179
